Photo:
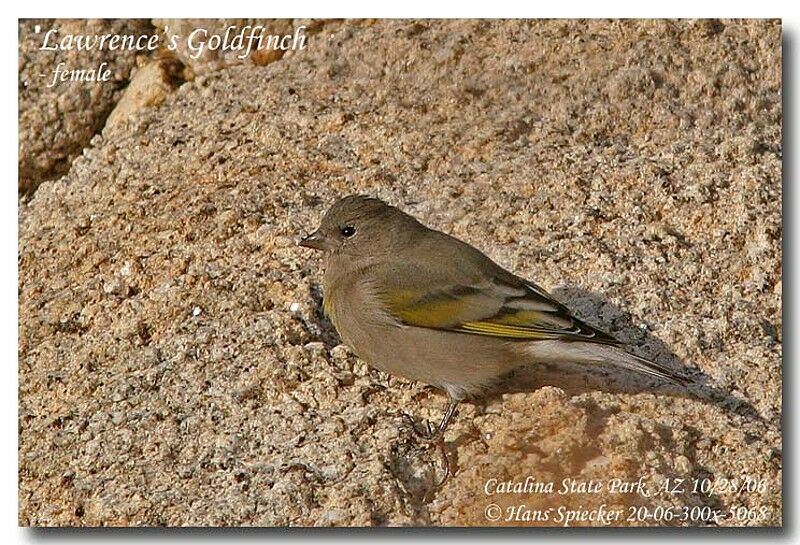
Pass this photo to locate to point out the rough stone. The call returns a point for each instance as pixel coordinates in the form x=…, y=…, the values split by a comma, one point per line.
x=150, y=86
x=631, y=167
x=56, y=122
x=201, y=63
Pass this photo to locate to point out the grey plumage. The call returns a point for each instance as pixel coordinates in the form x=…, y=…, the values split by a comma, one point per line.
x=421, y=304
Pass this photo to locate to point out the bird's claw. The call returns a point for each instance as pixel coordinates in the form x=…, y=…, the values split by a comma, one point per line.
x=428, y=434
x=435, y=436
x=445, y=464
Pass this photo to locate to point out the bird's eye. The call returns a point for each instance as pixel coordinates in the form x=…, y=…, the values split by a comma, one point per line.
x=348, y=231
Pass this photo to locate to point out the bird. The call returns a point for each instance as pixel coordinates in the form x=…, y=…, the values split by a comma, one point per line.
x=418, y=303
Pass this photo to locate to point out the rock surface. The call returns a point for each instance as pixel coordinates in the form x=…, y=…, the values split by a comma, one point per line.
x=193, y=35
x=57, y=121
x=150, y=86
x=175, y=367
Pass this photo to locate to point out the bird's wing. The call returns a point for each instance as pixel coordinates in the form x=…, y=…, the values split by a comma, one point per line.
x=485, y=300
x=495, y=309
x=533, y=314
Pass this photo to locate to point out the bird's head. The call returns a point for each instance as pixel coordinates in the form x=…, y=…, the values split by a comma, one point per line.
x=358, y=225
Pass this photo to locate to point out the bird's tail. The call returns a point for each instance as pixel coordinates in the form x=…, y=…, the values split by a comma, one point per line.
x=593, y=353
x=647, y=367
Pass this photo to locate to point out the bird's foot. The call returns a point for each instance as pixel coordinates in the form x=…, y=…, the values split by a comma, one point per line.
x=445, y=463
x=432, y=436
x=426, y=433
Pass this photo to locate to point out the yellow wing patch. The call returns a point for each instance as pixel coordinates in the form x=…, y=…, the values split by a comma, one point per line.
x=457, y=312
x=520, y=317
x=437, y=310
x=437, y=313
x=507, y=331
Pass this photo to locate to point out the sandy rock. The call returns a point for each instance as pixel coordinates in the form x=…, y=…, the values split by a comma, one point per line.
x=632, y=168
x=208, y=60
x=56, y=123
x=149, y=87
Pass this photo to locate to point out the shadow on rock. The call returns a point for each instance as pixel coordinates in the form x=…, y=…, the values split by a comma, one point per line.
x=321, y=327
x=576, y=379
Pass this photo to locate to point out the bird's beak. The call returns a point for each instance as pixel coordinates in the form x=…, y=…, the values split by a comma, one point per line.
x=314, y=241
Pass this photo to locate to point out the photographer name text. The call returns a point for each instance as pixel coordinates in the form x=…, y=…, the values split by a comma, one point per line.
x=608, y=515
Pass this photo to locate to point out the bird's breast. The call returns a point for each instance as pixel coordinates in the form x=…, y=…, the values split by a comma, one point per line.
x=353, y=304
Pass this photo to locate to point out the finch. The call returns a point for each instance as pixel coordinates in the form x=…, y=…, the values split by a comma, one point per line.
x=421, y=304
